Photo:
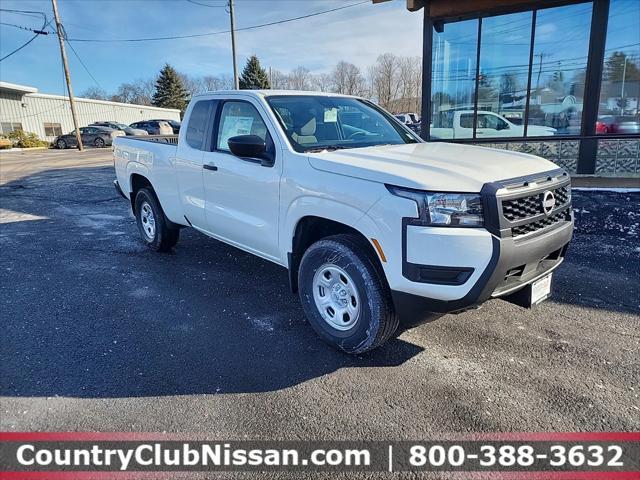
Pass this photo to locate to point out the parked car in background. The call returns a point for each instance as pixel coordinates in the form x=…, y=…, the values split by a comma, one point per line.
x=120, y=126
x=404, y=118
x=154, y=127
x=415, y=118
x=459, y=124
x=618, y=124
x=408, y=120
x=91, y=135
x=174, y=124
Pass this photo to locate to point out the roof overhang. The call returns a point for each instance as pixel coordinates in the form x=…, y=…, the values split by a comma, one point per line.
x=13, y=87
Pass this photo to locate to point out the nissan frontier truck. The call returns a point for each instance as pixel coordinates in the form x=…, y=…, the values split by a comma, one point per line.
x=377, y=229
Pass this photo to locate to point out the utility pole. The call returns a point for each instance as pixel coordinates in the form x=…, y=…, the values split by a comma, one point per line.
x=236, y=84
x=624, y=75
x=63, y=53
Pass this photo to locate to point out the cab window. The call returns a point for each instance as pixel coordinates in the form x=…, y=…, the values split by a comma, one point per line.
x=198, y=121
x=240, y=118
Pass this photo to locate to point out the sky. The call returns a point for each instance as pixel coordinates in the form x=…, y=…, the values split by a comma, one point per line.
x=357, y=34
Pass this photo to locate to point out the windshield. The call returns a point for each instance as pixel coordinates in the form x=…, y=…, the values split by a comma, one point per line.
x=315, y=123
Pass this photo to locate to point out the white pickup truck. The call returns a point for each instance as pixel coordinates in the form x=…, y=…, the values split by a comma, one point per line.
x=376, y=228
x=450, y=124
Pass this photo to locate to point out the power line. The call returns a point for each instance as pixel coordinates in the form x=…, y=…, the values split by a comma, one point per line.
x=196, y=35
x=37, y=33
x=205, y=5
x=83, y=64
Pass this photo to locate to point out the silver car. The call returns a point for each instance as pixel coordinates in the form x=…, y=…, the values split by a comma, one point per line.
x=121, y=126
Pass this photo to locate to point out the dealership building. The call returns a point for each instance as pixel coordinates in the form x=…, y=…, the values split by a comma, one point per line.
x=556, y=78
x=23, y=108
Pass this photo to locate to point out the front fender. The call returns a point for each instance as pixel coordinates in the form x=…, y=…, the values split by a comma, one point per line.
x=312, y=206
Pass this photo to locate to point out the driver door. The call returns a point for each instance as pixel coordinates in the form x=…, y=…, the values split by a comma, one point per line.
x=491, y=125
x=241, y=194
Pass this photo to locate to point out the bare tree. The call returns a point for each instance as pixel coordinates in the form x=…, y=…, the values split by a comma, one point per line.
x=192, y=85
x=347, y=79
x=322, y=82
x=409, y=79
x=277, y=79
x=300, y=79
x=95, y=93
x=139, y=92
x=385, y=79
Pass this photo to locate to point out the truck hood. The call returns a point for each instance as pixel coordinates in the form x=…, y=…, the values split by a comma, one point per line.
x=430, y=166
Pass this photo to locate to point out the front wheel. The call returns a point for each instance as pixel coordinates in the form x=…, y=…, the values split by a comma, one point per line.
x=152, y=223
x=99, y=143
x=344, y=295
x=61, y=144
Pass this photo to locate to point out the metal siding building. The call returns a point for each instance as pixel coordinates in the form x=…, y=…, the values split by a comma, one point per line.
x=22, y=107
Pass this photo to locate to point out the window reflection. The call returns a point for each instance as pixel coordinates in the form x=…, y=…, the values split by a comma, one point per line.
x=502, y=80
x=619, y=112
x=453, y=82
x=561, y=47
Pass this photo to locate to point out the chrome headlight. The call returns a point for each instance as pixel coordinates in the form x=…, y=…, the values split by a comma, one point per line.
x=445, y=209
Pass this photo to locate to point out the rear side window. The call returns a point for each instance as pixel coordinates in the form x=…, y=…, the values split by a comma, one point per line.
x=197, y=127
x=466, y=120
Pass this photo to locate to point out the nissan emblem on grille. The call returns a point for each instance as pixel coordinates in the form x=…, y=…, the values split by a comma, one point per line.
x=548, y=202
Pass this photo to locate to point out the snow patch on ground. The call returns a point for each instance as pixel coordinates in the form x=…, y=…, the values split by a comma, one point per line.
x=11, y=216
x=263, y=323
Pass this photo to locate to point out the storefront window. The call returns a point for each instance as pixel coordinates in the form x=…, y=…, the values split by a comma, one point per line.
x=619, y=110
x=503, y=74
x=453, y=82
x=561, y=47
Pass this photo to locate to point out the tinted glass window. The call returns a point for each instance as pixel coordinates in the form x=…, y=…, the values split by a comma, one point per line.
x=455, y=51
x=619, y=111
x=239, y=118
x=466, y=120
x=197, y=127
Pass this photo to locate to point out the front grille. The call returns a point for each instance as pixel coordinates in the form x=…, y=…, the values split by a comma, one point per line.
x=542, y=223
x=520, y=208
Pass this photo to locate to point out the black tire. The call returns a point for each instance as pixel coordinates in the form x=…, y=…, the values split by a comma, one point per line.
x=61, y=144
x=99, y=143
x=161, y=237
x=377, y=320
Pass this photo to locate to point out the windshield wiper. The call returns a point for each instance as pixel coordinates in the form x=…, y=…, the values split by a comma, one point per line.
x=329, y=148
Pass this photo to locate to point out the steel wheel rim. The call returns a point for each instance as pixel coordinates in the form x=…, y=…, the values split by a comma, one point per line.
x=148, y=221
x=336, y=297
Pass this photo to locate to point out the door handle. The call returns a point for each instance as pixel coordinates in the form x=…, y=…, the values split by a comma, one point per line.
x=210, y=167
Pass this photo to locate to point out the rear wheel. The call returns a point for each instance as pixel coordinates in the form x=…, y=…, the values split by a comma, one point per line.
x=61, y=144
x=344, y=295
x=152, y=224
x=98, y=142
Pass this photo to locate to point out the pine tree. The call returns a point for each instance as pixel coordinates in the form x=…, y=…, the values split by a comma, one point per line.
x=253, y=76
x=170, y=91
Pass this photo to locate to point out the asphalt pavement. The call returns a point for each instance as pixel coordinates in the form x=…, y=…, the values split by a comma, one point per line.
x=99, y=333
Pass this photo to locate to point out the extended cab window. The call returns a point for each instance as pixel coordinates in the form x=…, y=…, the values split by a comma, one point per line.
x=318, y=122
x=197, y=127
x=466, y=120
x=240, y=118
x=486, y=120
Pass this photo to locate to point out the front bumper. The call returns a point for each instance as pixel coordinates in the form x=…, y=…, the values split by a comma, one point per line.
x=518, y=256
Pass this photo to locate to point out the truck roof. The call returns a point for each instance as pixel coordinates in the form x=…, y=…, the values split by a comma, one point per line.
x=271, y=93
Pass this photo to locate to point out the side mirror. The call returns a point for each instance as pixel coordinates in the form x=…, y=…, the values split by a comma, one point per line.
x=250, y=146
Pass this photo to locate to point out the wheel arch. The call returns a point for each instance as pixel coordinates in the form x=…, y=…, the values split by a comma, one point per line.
x=136, y=182
x=312, y=228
